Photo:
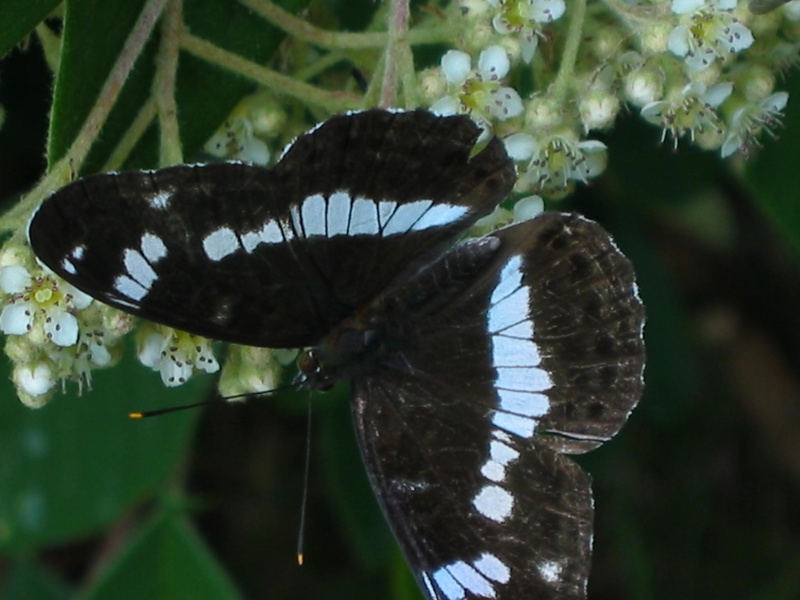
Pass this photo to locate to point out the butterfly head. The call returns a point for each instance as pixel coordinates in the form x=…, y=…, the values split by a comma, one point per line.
x=313, y=373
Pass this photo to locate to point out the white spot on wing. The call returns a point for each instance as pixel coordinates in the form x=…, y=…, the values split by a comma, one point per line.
x=470, y=579
x=153, y=247
x=510, y=279
x=494, y=568
x=524, y=379
x=514, y=352
x=338, y=213
x=439, y=215
x=270, y=233
x=363, y=218
x=493, y=471
x=405, y=216
x=449, y=586
x=516, y=424
x=386, y=209
x=129, y=288
x=550, y=571
x=494, y=503
x=502, y=453
x=314, y=215
x=509, y=311
x=528, y=404
x=161, y=200
x=138, y=268
x=78, y=252
x=67, y=265
x=220, y=243
x=523, y=330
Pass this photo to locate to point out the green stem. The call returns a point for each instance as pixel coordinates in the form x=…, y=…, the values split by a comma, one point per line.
x=303, y=30
x=170, y=150
x=131, y=136
x=332, y=102
x=398, y=29
x=577, y=14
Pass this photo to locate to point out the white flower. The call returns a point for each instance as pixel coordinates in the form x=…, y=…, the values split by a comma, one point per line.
x=478, y=91
x=750, y=120
x=35, y=380
x=555, y=160
x=528, y=208
x=692, y=111
x=525, y=18
x=41, y=300
x=175, y=354
x=248, y=370
x=236, y=140
x=708, y=31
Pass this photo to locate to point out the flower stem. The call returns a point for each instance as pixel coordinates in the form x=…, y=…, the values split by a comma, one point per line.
x=305, y=31
x=577, y=13
x=281, y=84
x=170, y=150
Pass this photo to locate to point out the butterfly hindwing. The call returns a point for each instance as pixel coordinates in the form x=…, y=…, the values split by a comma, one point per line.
x=463, y=425
x=275, y=257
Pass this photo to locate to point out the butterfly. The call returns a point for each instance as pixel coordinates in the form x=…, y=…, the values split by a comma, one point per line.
x=475, y=365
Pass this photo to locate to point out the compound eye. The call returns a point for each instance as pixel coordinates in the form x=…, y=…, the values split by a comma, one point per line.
x=307, y=363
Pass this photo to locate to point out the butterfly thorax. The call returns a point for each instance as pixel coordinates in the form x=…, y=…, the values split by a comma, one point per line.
x=392, y=322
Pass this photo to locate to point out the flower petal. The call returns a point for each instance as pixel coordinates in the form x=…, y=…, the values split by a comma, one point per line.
x=14, y=279
x=35, y=381
x=678, y=41
x=16, y=319
x=456, y=66
x=494, y=63
x=446, y=106
x=61, y=327
x=521, y=146
x=682, y=7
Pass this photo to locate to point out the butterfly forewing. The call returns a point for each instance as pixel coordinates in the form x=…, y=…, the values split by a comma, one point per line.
x=275, y=257
x=462, y=424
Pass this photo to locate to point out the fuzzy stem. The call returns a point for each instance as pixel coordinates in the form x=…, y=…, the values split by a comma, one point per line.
x=280, y=84
x=302, y=30
x=170, y=150
x=398, y=28
x=131, y=136
x=577, y=14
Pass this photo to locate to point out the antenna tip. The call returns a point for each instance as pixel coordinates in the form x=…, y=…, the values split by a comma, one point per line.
x=135, y=415
x=300, y=559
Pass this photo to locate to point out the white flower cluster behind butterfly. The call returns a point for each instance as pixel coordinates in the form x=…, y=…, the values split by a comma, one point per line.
x=691, y=67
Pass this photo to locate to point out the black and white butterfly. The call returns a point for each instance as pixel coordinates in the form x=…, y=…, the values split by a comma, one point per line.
x=474, y=368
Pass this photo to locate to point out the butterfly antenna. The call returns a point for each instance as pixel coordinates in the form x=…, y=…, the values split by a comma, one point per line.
x=304, y=503
x=144, y=414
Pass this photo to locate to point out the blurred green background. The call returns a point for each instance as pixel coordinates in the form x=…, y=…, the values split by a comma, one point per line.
x=698, y=496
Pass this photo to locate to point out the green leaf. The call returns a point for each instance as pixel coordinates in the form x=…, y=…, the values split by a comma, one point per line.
x=78, y=464
x=94, y=34
x=26, y=580
x=19, y=19
x=166, y=560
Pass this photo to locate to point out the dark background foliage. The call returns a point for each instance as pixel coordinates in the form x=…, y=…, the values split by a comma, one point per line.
x=698, y=496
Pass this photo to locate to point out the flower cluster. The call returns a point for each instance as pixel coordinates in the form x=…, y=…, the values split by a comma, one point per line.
x=55, y=332
x=701, y=70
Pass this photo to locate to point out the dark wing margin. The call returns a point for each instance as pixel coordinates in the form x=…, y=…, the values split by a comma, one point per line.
x=463, y=427
x=275, y=257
